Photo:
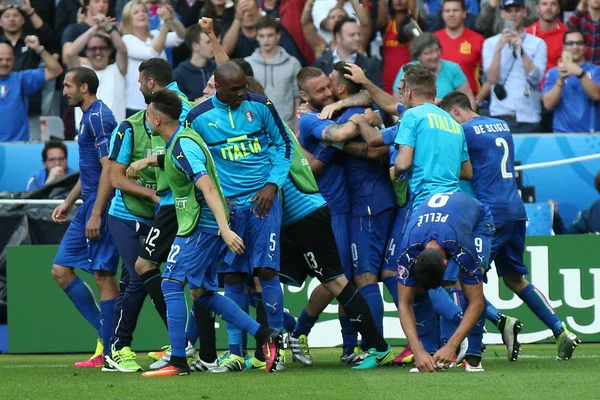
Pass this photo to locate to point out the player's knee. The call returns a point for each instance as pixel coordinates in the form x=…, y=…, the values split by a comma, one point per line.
x=142, y=266
x=265, y=274
x=106, y=281
x=514, y=282
x=365, y=279
x=233, y=279
x=203, y=300
x=197, y=293
x=386, y=273
x=62, y=275
x=335, y=286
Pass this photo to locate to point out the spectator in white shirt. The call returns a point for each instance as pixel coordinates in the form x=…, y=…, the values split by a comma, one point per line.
x=143, y=44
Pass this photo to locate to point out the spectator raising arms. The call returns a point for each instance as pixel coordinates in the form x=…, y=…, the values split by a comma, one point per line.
x=90, y=9
x=15, y=87
x=143, y=44
x=97, y=44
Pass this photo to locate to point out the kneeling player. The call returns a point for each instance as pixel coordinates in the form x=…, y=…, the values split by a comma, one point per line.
x=447, y=240
x=202, y=218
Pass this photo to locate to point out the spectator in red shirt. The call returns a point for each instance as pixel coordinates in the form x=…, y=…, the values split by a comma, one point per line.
x=550, y=29
x=460, y=44
x=587, y=19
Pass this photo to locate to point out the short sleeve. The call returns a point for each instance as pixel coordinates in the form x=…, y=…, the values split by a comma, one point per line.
x=550, y=81
x=457, y=77
x=325, y=153
x=121, y=144
x=595, y=75
x=465, y=150
x=313, y=126
x=102, y=134
x=389, y=135
x=32, y=80
x=407, y=133
x=189, y=157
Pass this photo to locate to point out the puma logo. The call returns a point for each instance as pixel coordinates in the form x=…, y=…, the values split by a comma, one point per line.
x=273, y=306
x=357, y=319
x=180, y=155
x=462, y=252
x=150, y=251
x=214, y=124
x=120, y=134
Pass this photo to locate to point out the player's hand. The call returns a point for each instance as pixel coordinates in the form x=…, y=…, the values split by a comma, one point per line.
x=372, y=118
x=233, y=241
x=80, y=15
x=60, y=213
x=155, y=198
x=355, y=73
x=33, y=42
x=328, y=111
x=563, y=71
x=26, y=7
x=135, y=167
x=302, y=109
x=55, y=173
x=424, y=362
x=505, y=37
x=206, y=24
x=264, y=200
x=444, y=356
x=515, y=39
x=393, y=176
x=92, y=229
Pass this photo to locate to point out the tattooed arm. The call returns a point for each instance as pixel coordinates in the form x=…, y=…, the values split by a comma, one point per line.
x=363, y=150
x=340, y=133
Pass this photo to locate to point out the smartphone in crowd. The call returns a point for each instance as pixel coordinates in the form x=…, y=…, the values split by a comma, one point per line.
x=12, y=3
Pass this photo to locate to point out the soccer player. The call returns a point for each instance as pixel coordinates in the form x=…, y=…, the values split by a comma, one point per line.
x=446, y=241
x=87, y=244
x=203, y=232
x=239, y=129
x=492, y=153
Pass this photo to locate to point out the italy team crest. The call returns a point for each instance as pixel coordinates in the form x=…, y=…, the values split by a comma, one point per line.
x=249, y=116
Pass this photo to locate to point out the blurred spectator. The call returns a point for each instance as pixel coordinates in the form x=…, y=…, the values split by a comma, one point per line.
x=12, y=20
x=240, y=40
x=491, y=23
x=193, y=74
x=208, y=91
x=325, y=14
x=67, y=13
x=393, y=17
x=97, y=43
x=347, y=37
x=91, y=9
x=276, y=70
x=436, y=6
x=221, y=12
x=572, y=90
x=587, y=19
x=514, y=62
x=16, y=86
x=54, y=158
x=425, y=50
x=460, y=44
x=587, y=220
x=550, y=29
x=143, y=44
x=323, y=39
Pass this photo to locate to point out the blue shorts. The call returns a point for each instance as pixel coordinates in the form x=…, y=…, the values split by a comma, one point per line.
x=368, y=235
x=261, y=237
x=75, y=251
x=195, y=259
x=393, y=249
x=508, y=246
x=340, y=224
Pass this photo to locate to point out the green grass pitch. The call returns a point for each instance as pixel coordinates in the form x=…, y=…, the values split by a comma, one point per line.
x=537, y=375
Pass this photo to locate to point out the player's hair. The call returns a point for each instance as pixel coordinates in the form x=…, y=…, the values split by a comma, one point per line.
x=13, y=8
x=420, y=43
x=462, y=3
x=53, y=144
x=421, y=81
x=84, y=75
x=268, y=21
x=305, y=75
x=341, y=68
x=106, y=40
x=255, y=86
x=192, y=35
x=429, y=269
x=244, y=65
x=127, y=16
x=167, y=102
x=574, y=30
x=8, y=43
x=157, y=69
x=455, y=98
x=337, y=28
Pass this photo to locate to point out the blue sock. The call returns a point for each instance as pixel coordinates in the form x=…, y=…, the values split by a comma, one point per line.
x=176, y=316
x=107, y=311
x=253, y=299
x=426, y=324
x=191, y=331
x=228, y=311
x=289, y=322
x=304, y=325
x=492, y=313
x=445, y=306
x=272, y=297
x=234, y=333
x=82, y=296
x=476, y=335
x=349, y=334
x=373, y=297
x=392, y=286
x=538, y=303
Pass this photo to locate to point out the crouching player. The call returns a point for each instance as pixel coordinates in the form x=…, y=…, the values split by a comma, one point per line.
x=202, y=217
x=446, y=241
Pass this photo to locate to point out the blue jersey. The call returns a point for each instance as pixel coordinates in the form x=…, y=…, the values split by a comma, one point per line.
x=451, y=220
x=491, y=149
x=296, y=204
x=193, y=164
x=97, y=124
x=439, y=150
x=121, y=146
x=239, y=140
x=368, y=181
x=332, y=178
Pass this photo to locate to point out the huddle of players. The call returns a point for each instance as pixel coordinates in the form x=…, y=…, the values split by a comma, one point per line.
x=234, y=146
